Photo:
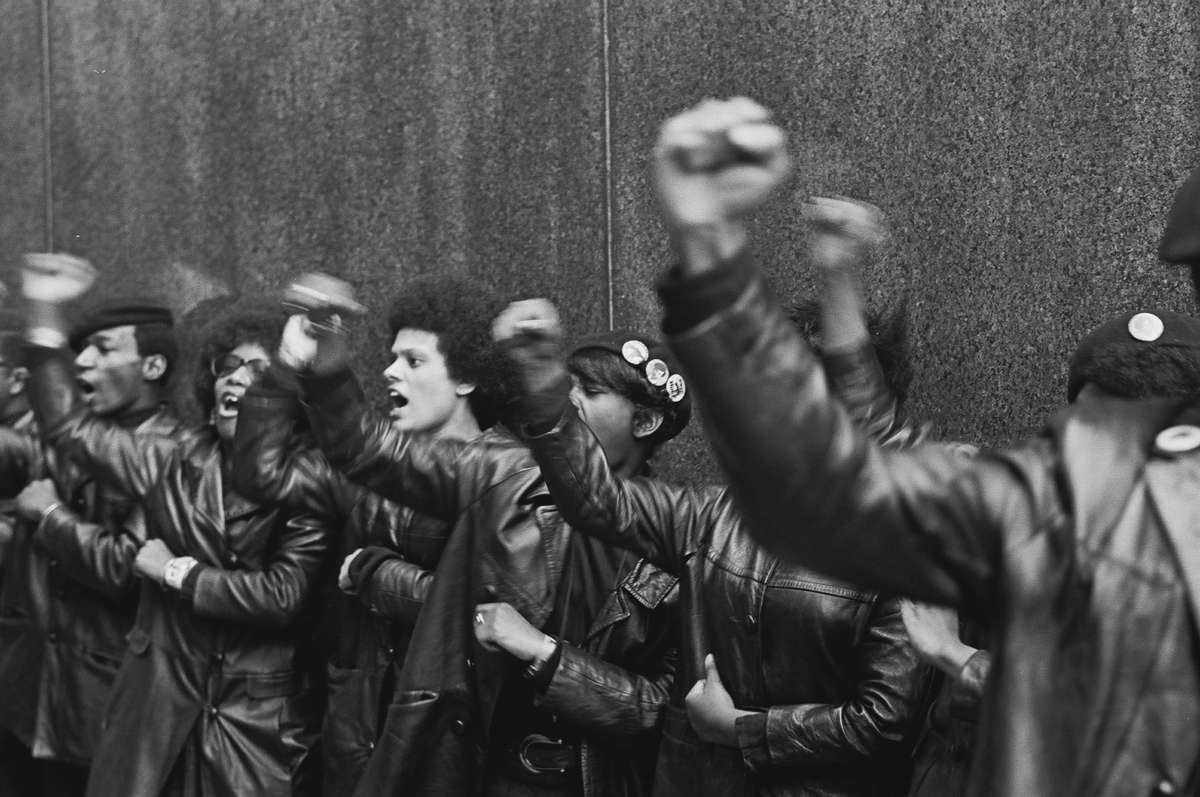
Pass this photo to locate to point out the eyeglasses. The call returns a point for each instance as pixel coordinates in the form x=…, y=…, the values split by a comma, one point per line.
x=226, y=364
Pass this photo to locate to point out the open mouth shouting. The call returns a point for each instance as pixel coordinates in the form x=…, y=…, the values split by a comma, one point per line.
x=228, y=402
x=87, y=389
x=399, y=402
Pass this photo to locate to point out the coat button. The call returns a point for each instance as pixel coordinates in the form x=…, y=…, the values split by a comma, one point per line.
x=460, y=727
x=53, y=637
x=370, y=745
x=751, y=623
x=470, y=663
x=1164, y=788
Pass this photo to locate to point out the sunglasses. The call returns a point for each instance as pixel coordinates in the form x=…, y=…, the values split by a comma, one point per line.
x=228, y=363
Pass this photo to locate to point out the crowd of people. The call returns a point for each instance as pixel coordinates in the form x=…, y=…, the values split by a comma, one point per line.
x=487, y=591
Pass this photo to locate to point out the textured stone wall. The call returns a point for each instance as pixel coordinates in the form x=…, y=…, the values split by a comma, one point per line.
x=1024, y=152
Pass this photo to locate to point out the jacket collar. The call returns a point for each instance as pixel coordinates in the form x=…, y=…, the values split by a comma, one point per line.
x=1116, y=438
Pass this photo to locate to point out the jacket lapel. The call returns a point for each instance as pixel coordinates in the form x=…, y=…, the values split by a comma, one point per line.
x=1175, y=487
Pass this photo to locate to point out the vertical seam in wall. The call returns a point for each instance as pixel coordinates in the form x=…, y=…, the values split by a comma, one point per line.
x=606, y=78
x=47, y=119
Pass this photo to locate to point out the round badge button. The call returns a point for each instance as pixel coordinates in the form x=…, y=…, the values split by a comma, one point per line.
x=657, y=372
x=1178, y=439
x=676, y=388
x=1146, y=327
x=635, y=352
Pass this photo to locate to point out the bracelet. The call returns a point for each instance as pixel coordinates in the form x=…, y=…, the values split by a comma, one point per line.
x=48, y=511
x=543, y=657
x=176, y=571
x=49, y=337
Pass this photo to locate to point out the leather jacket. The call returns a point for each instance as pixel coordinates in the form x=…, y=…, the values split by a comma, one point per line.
x=508, y=544
x=824, y=665
x=21, y=462
x=214, y=672
x=1077, y=548
x=363, y=637
x=62, y=629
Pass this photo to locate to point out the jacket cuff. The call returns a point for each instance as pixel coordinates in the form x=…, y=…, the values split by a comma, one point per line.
x=689, y=301
x=967, y=691
x=369, y=560
x=752, y=740
x=53, y=528
x=331, y=389
x=191, y=582
x=544, y=674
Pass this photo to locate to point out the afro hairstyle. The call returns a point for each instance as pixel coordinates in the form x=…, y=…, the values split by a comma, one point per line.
x=460, y=312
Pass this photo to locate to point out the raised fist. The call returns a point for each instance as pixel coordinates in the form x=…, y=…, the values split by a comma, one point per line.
x=298, y=343
x=55, y=278
x=842, y=233
x=527, y=319
x=717, y=162
x=314, y=337
x=324, y=299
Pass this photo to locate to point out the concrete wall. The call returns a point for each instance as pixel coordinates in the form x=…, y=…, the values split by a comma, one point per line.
x=1024, y=151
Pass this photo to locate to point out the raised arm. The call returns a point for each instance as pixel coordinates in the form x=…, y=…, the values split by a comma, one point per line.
x=653, y=519
x=270, y=464
x=811, y=485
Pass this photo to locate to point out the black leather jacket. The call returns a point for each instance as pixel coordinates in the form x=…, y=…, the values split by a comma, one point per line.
x=215, y=671
x=825, y=665
x=507, y=544
x=363, y=638
x=1078, y=548
x=62, y=628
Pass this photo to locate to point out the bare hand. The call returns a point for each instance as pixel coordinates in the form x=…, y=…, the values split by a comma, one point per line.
x=527, y=319
x=531, y=335
x=710, y=708
x=344, y=582
x=717, y=162
x=498, y=626
x=36, y=498
x=933, y=632
x=55, y=278
x=152, y=558
x=843, y=233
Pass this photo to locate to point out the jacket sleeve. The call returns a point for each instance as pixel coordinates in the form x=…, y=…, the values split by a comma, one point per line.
x=272, y=596
x=19, y=461
x=622, y=707
x=879, y=718
x=655, y=520
x=128, y=459
x=96, y=556
x=269, y=464
x=388, y=585
x=416, y=471
x=856, y=379
x=813, y=487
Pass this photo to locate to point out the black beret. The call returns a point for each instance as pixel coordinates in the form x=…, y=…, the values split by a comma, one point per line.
x=657, y=367
x=1133, y=355
x=1180, y=241
x=118, y=312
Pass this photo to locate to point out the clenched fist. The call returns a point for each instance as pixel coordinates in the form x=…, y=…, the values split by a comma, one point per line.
x=718, y=161
x=55, y=278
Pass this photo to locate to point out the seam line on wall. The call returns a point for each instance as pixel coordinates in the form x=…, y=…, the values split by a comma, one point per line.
x=47, y=119
x=606, y=79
